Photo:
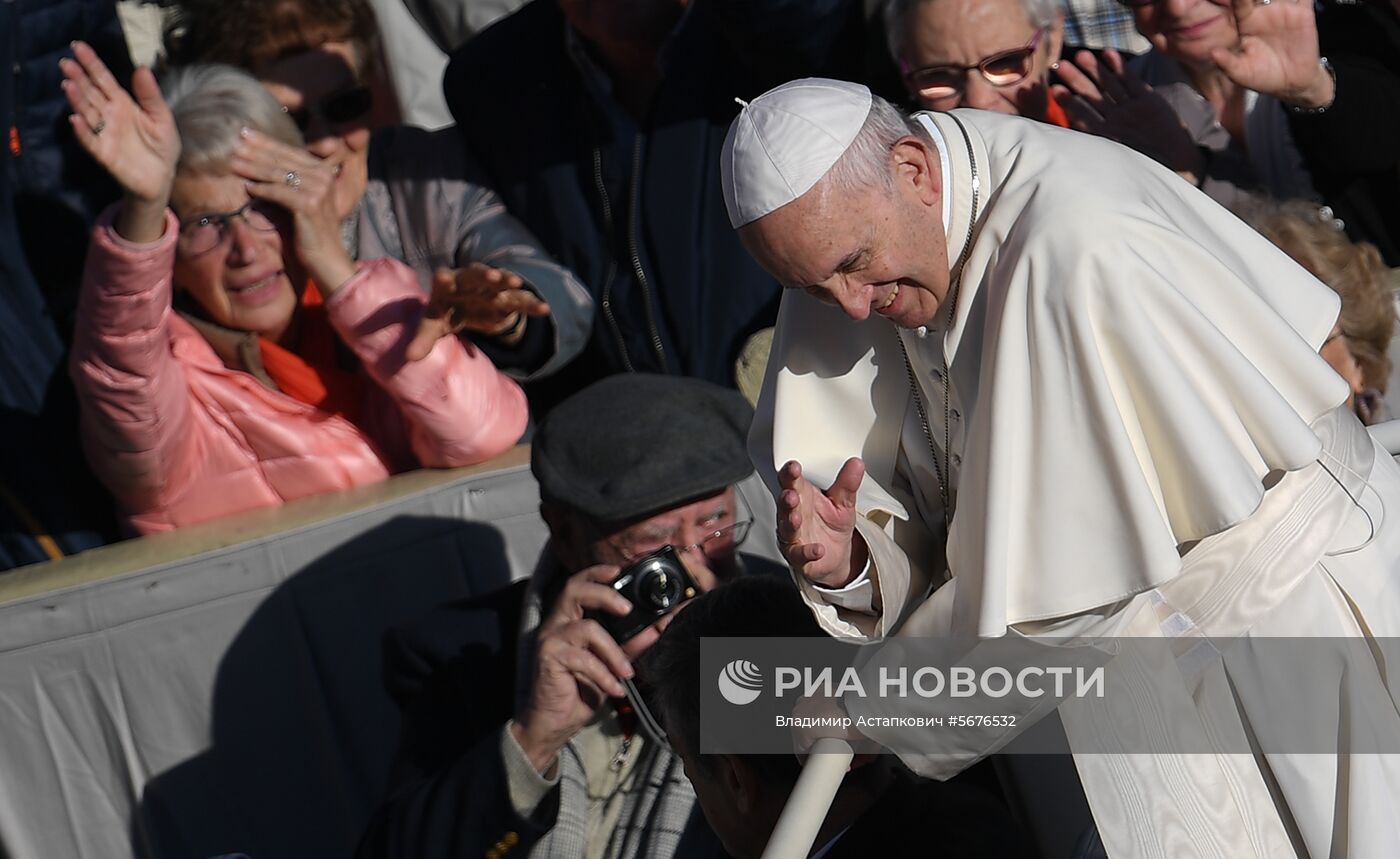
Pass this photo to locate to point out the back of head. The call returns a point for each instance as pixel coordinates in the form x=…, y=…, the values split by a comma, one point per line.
x=749, y=607
x=1354, y=270
x=251, y=34
x=212, y=104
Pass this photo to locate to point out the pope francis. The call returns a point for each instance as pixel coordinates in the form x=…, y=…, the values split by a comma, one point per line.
x=1027, y=382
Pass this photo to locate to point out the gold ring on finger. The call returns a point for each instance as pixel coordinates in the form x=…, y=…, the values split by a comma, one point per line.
x=293, y=180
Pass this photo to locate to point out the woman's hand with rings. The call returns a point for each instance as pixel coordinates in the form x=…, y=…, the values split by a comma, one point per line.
x=134, y=139
x=303, y=185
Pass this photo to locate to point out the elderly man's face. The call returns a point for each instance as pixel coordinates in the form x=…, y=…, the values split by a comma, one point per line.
x=702, y=531
x=865, y=251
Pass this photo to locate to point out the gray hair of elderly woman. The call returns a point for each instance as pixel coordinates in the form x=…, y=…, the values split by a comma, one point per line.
x=865, y=165
x=1042, y=13
x=212, y=104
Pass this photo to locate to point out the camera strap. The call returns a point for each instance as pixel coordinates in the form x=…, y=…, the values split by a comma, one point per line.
x=651, y=728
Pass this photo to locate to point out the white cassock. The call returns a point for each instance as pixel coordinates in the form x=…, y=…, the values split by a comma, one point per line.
x=1143, y=441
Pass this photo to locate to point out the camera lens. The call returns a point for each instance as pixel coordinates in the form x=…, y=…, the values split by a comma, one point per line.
x=659, y=587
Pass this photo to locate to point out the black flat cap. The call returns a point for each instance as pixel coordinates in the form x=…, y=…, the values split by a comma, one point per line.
x=634, y=444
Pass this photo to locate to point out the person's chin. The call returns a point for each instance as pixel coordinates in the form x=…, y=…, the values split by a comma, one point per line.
x=267, y=318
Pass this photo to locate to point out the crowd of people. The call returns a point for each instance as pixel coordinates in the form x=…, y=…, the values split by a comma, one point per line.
x=255, y=283
x=570, y=225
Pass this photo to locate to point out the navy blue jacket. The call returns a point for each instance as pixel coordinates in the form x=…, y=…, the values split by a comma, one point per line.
x=635, y=209
x=50, y=191
x=1350, y=149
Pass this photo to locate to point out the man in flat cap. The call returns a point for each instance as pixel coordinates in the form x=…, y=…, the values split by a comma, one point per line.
x=1027, y=382
x=517, y=738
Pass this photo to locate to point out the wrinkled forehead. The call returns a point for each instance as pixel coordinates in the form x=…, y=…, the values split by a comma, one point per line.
x=965, y=31
x=214, y=189
x=671, y=518
x=803, y=242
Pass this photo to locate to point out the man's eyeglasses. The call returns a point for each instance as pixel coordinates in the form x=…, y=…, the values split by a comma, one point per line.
x=339, y=109
x=718, y=540
x=999, y=70
x=204, y=232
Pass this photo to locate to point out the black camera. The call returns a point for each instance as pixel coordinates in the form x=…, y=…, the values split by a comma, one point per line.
x=654, y=585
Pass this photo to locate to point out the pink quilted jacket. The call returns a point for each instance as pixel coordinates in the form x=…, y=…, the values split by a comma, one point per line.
x=179, y=437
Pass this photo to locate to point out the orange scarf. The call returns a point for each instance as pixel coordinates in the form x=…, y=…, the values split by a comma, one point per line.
x=1054, y=114
x=310, y=374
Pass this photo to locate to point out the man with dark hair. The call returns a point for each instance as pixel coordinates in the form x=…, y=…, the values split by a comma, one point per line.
x=880, y=810
x=517, y=736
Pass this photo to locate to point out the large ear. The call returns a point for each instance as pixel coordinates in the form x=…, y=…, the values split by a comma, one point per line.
x=915, y=163
x=740, y=780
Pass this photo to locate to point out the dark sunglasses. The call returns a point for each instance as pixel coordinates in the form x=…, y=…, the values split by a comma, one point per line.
x=999, y=70
x=342, y=108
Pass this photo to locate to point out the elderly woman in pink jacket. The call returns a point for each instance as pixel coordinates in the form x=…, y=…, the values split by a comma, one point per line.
x=229, y=353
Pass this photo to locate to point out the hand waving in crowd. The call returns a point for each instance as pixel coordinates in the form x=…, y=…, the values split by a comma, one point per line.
x=1278, y=53
x=133, y=139
x=1107, y=99
x=479, y=298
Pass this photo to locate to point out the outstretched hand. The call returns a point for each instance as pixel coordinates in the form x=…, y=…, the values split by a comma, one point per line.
x=1105, y=98
x=478, y=298
x=135, y=140
x=816, y=528
x=1278, y=52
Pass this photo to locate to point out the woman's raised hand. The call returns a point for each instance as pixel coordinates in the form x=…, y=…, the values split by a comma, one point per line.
x=303, y=185
x=1278, y=53
x=134, y=139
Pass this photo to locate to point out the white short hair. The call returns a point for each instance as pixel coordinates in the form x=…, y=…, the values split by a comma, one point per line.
x=1041, y=13
x=865, y=164
x=211, y=104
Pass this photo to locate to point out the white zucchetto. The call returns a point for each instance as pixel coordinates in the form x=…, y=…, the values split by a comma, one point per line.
x=783, y=142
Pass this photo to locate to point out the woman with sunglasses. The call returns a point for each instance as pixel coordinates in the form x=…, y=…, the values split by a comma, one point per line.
x=1000, y=55
x=1246, y=133
x=401, y=192
x=230, y=354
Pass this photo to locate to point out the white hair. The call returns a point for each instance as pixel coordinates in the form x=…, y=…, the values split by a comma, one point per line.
x=1041, y=13
x=211, y=104
x=866, y=162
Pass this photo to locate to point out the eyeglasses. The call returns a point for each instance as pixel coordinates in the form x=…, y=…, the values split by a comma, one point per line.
x=342, y=108
x=999, y=70
x=204, y=232
x=718, y=540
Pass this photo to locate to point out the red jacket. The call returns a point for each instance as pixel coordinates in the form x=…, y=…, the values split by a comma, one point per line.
x=180, y=436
